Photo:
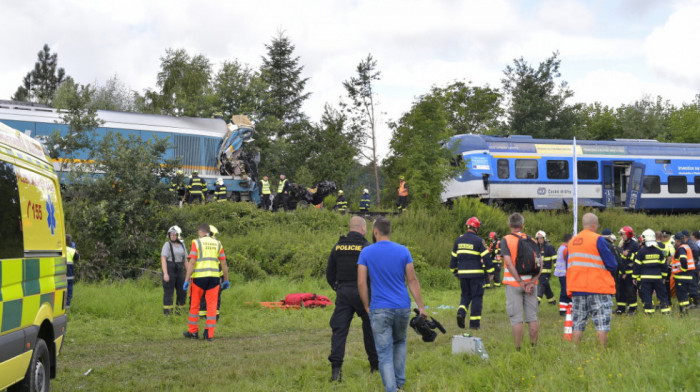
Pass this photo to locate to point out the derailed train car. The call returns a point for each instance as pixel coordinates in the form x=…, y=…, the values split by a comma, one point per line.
x=206, y=145
x=538, y=173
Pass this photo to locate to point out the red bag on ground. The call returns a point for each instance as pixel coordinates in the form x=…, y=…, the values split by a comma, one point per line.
x=307, y=300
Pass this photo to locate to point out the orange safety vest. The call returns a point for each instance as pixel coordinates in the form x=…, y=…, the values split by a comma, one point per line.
x=508, y=278
x=676, y=262
x=586, y=271
x=402, y=189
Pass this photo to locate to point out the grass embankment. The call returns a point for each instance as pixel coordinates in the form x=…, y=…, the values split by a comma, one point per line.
x=118, y=331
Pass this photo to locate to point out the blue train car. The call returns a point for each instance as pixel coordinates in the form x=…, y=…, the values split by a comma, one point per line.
x=195, y=141
x=633, y=174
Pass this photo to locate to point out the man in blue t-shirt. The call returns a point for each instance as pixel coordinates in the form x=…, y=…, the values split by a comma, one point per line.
x=389, y=267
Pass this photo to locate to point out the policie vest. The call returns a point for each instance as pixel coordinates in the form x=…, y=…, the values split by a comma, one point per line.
x=70, y=254
x=347, y=251
x=265, y=187
x=280, y=188
x=207, y=263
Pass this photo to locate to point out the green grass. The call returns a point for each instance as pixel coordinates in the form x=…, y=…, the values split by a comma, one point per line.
x=118, y=331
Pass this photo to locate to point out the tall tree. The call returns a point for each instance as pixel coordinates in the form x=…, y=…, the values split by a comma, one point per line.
x=361, y=111
x=684, y=124
x=470, y=109
x=646, y=118
x=332, y=151
x=537, y=105
x=114, y=95
x=238, y=89
x=40, y=84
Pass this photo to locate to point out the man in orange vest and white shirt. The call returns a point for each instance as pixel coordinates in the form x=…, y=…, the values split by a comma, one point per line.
x=521, y=291
x=402, y=199
x=589, y=280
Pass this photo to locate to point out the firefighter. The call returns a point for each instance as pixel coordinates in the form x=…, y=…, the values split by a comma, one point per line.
x=213, y=232
x=682, y=268
x=649, y=273
x=693, y=284
x=341, y=274
x=549, y=256
x=177, y=186
x=341, y=204
x=626, y=292
x=196, y=188
x=470, y=261
x=364, y=201
x=220, y=190
x=206, y=255
x=495, y=254
x=282, y=194
x=402, y=200
x=72, y=256
x=265, y=192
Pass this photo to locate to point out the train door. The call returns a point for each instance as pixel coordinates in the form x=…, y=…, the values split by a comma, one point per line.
x=608, y=184
x=621, y=172
x=634, y=190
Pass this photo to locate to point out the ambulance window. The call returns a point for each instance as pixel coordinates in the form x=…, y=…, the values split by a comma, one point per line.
x=11, y=240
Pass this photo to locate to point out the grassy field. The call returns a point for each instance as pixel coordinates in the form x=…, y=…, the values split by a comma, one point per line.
x=117, y=332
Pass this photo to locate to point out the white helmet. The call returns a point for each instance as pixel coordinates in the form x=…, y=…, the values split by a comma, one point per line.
x=365, y=190
x=649, y=237
x=175, y=229
x=220, y=181
x=612, y=237
x=541, y=234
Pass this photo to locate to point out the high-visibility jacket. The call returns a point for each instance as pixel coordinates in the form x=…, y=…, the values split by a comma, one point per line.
x=265, y=187
x=470, y=258
x=512, y=242
x=549, y=256
x=671, y=251
x=650, y=263
x=70, y=254
x=586, y=270
x=495, y=252
x=683, y=257
x=220, y=193
x=280, y=187
x=403, y=188
x=209, y=252
x=197, y=186
x=341, y=204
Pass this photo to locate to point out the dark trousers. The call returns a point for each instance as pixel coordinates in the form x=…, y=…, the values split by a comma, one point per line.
x=70, y=275
x=265, y=202
x=682, y=289
x=625, y=293
x=646, y=290
x=401, y=203
x=280, y=199
x=564, y=299
x=472, y=294
x=347, y=305
x=693, y=288
x=544, y=289
x=176, y=272
x=497, y=274
x=196, y=198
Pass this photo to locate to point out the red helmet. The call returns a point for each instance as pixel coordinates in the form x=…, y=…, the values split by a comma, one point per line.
x=493, y=235
x=627, y=231
x=473, y=222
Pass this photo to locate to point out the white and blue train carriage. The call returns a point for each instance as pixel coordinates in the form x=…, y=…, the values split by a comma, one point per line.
x=633, y=174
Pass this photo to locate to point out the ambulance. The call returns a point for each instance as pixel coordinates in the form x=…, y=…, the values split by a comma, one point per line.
x=32, y=264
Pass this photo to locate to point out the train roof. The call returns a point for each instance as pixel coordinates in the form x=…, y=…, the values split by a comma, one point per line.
x=21, y=111
x=528, y=144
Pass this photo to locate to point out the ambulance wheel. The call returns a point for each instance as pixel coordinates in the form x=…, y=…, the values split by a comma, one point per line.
x=39, y=373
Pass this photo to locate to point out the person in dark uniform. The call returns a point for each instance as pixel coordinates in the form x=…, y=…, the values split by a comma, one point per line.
x=626, y=292
x=365, y=201
x=495, y=254
x=549, y=257
x=220, y=190
x=197, y=188
x=402, y=199
x=341, y=275
x=649, y=271
x=265, y=192
x=341, y=203
x=470, y=262
x=282, y=194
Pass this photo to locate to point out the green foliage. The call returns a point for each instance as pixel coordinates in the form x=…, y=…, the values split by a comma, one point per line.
x=40, y=84
x=470, y=109
x=684, y=124
x=238, y=89
x=114, y=95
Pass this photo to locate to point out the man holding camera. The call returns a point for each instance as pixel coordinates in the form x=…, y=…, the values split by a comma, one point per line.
x=388, y=267
x=341, y=275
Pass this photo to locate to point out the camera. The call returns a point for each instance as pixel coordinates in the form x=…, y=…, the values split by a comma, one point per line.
x=425, y=328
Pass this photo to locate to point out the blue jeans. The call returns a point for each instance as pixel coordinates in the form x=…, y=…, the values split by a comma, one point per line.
x=389, y=328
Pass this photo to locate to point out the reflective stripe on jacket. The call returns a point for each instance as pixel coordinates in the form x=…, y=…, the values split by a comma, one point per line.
x=586, y=270
x=676, y=265
x=265, y=187
x=207, y=262
x=403, y=190
x=280, y=187
x=512, y=241
x=70, y=253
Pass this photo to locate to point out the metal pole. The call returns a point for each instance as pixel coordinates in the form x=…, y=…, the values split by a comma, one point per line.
x=575, y=191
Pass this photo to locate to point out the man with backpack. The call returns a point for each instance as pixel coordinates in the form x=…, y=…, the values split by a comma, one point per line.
x=523, y=265
x=589, y=280
x=341, y=274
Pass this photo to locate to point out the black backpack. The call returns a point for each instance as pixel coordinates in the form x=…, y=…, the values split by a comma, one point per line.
x=529, y=260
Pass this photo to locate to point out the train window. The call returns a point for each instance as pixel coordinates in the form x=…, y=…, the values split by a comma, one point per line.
x=697, y=184
x=652, y=184
x=677, y=184
x=558, y=170
x=12, y=244
x=526, y=169
x=503, y=169
x=636, y=179
x=587, y=170
x=607, y=177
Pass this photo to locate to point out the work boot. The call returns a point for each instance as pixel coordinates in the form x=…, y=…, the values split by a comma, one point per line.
x=460, y=320
x=373, y=368
x=206, y=336
x=337, y=374
x=620, y=311
x=190, y=335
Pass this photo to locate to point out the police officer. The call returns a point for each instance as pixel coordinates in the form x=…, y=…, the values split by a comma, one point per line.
x=626, y=292
x=495, y=254
x=549, y=256
x=364, y=201
x=341, y=203
x=470, y=261
x=341, y=275
x=649, y=272
x=220, y=190
x=197, y=187
x=282, y=194
x=265, y=192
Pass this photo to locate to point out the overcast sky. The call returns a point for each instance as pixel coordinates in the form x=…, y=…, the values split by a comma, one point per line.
x=612, y=51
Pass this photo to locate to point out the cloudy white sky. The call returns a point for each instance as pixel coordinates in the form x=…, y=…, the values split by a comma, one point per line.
x=612, y=51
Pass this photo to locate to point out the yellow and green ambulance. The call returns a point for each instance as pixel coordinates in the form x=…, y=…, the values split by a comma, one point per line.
x=32, y=264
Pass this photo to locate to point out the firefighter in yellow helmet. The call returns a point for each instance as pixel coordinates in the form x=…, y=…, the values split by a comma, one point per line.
x=341, y=203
